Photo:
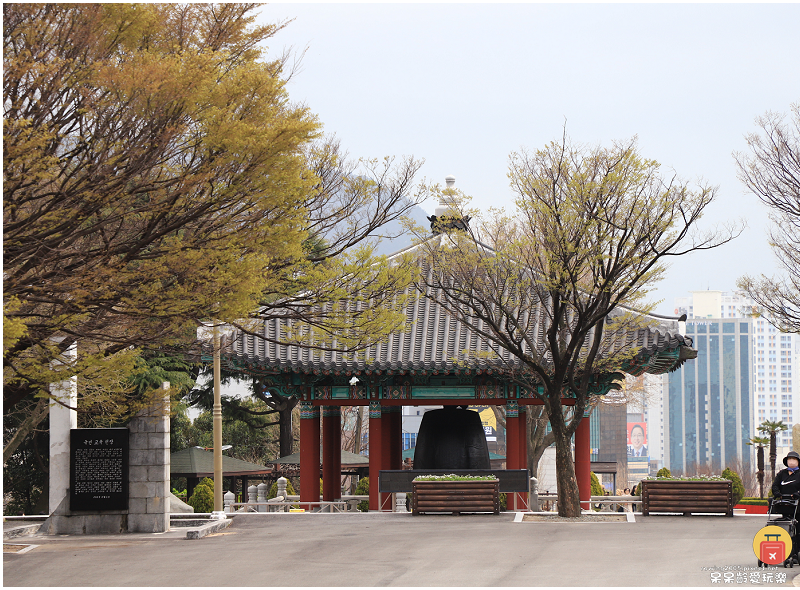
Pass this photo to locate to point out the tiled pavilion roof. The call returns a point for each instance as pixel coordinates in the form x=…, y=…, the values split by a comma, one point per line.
x=434, y=341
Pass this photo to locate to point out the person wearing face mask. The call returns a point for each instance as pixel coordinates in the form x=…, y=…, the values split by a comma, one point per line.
x=787, y=483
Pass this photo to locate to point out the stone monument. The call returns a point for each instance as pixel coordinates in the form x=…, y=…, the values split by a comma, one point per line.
x=148, y=478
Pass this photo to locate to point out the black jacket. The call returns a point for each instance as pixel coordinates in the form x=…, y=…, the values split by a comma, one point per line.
x=786, y=483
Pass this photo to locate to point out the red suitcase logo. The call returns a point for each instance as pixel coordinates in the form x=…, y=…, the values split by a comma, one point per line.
x=773, y=552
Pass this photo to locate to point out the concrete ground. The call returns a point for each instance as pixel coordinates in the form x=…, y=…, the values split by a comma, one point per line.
x=289, y=550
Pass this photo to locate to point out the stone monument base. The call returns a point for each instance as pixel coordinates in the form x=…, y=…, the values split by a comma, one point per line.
x=104, y=522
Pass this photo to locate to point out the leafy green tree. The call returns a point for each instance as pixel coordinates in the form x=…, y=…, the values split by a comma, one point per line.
x=156, y=175
x=150, y=157
x=759, y=442
x=590, y=234
x=362, y=489
x=597, y=487
x=772, y=428
x=263, y=410
x=25, y=483
x=254, y=445
x=738, y=486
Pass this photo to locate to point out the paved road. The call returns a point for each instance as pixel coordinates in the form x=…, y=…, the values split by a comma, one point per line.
x=292, y=550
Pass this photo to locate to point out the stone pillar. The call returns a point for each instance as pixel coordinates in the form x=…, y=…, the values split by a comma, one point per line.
x=62, y=420
x=263, y=491
x=331, y=453
x=148, y=496
x=282, y=487
x=375, y=453
x=227, y=499
x=583, y=467
x=252, y=495
x=400, y=502
x=309, y=453
x=534, y=487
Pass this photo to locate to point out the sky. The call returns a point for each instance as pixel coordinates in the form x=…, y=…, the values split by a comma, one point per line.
x=462, y=86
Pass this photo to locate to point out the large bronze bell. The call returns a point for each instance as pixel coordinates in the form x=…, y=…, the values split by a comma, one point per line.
x=451, y=438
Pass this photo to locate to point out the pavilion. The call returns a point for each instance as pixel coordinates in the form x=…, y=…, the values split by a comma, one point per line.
x=424, y=365
x=195, y=463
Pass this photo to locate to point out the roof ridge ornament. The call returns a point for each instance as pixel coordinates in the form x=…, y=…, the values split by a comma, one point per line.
x=447, y=216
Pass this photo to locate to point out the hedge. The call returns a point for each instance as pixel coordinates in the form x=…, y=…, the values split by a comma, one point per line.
x=753, y=502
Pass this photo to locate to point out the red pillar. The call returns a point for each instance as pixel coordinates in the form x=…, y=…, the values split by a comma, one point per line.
x=583, y=467
x=331, y=453
x=375, y=453
x=309, y=453
x=522, y=458
x=512, y=445
x=387, y=447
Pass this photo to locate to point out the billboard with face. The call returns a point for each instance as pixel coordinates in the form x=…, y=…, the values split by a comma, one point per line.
x=637, y=439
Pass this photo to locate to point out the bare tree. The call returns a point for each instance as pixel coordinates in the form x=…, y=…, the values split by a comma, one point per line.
x=551, y=288
x=772, y=172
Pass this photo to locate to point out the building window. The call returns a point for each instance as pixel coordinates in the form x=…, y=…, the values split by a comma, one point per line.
x=409, y=440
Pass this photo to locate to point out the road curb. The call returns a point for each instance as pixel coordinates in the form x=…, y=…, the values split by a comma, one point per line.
x=213, y=527
x=21, y=531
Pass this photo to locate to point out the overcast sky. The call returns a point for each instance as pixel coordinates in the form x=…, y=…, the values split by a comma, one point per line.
x=464, y=85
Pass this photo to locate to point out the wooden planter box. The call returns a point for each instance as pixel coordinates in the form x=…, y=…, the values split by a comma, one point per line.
x=456, y=496
x=687, y=496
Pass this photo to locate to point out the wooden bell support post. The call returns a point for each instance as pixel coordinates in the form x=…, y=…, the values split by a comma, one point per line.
x=512, y=446
x=309, y=453
x=331, y=453
x=375, y=452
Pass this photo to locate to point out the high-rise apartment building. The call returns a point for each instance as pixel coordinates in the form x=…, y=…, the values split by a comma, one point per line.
x=708, y=403
x=776, y=391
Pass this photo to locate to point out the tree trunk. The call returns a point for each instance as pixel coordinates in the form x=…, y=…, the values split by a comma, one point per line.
x=773, y=452
x=538, y=441
x=357, y=432
x=569, y=501
x=39, y=413
x=760, y=472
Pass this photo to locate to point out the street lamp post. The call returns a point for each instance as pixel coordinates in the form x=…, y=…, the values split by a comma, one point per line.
x=218, y=513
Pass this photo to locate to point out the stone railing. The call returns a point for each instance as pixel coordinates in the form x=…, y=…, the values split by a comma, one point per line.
x=257, y=501
x=604, y=503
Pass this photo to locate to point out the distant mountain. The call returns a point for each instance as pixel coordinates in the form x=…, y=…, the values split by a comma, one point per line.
x=387, y=246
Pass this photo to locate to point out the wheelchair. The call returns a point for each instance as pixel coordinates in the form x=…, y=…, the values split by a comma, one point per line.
x=783, y=513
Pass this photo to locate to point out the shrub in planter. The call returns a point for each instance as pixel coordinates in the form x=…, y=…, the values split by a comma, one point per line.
x=663, y=472
x=202, y=499
x=738, y=487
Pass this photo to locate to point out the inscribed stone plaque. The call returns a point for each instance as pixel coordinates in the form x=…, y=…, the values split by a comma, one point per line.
x=98, y=474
